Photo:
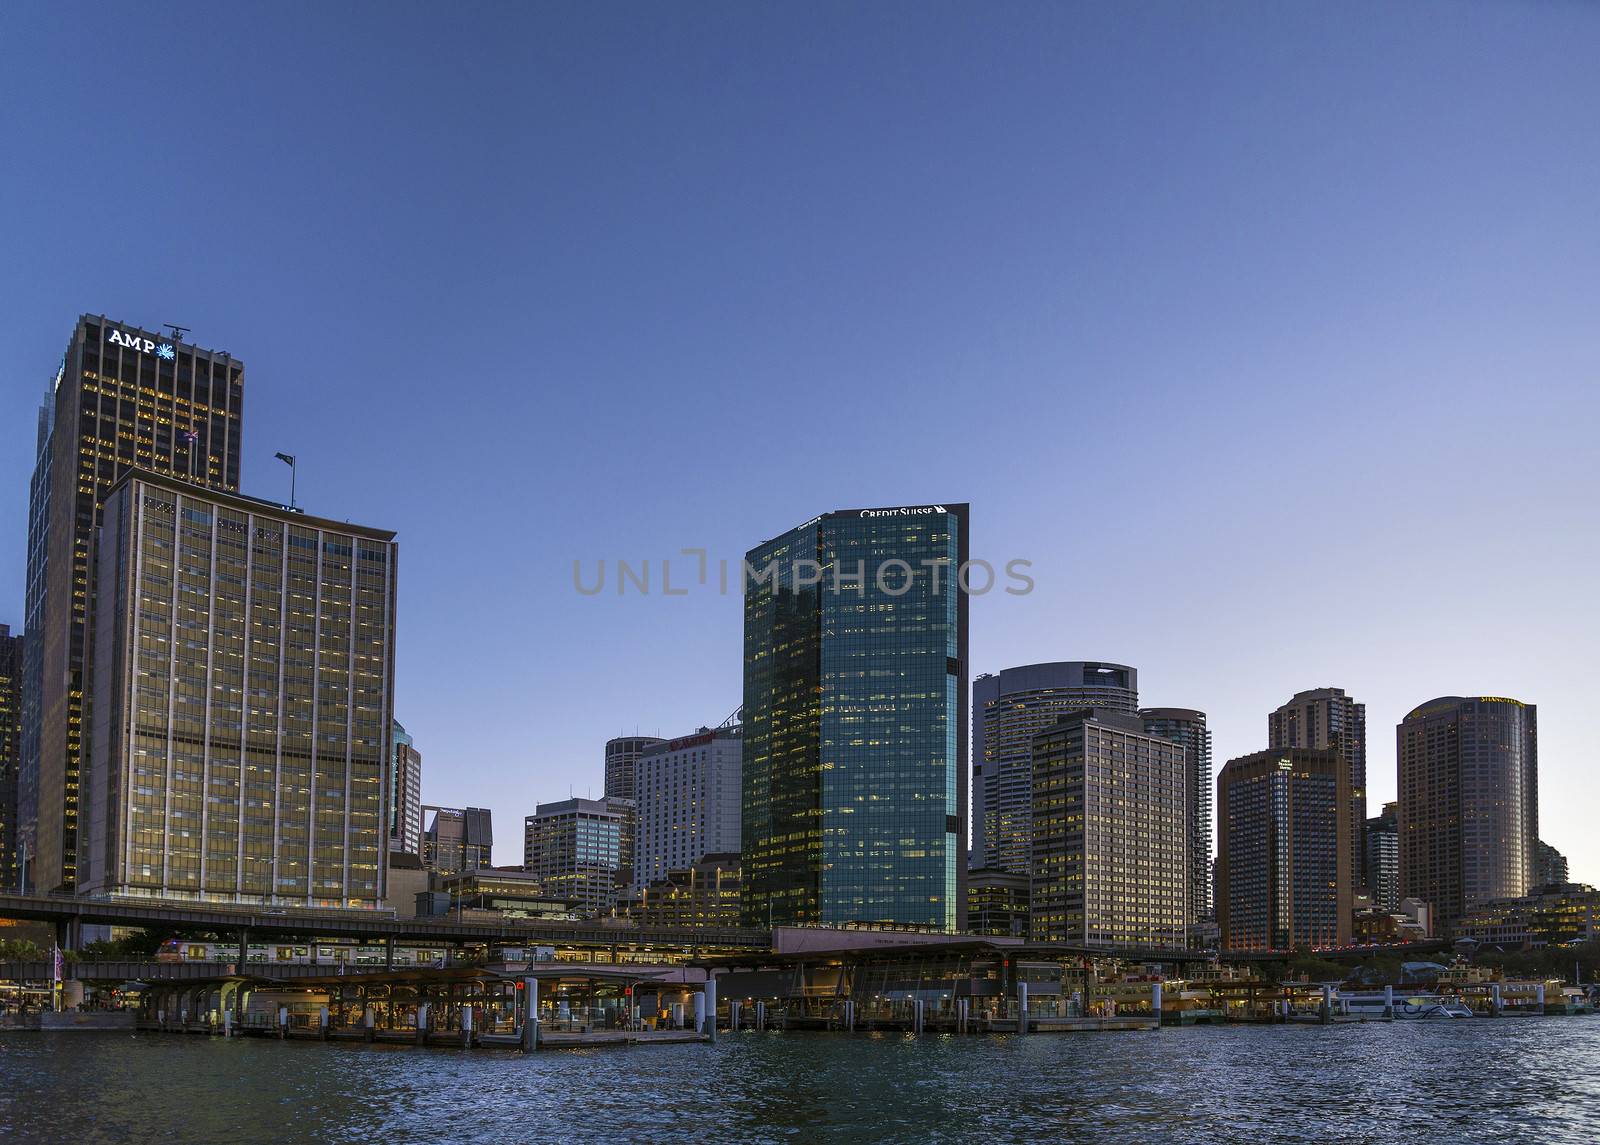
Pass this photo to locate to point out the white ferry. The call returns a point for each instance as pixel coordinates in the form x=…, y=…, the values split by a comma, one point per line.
x=1369, y=1004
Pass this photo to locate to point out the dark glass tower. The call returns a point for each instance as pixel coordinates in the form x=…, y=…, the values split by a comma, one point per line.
x=122, y=397
x=10, y=752
x=1327, y=717
x=855, y=717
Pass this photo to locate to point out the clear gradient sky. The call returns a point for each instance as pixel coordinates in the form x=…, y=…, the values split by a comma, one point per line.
x=1270, y=333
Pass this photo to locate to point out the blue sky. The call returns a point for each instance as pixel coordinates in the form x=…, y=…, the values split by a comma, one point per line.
x=1267, y=332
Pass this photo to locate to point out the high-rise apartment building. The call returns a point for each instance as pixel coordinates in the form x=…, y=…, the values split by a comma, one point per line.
x=1008, y=710
x=689, y=795
x=1110, y=834
x=1188, y=727
x=575, y=849
x=1469, y=802
x=405, y=816
x=1283, y=863
x=1328, y=718
x=122, y=397
x=1549, y=866
x=855, y=702
x=11, y=656
x=457, y=839
x=1381, y=870
x=242, y=701
x=622, y=764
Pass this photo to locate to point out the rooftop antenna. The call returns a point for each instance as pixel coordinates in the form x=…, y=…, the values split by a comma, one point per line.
x=177, y=331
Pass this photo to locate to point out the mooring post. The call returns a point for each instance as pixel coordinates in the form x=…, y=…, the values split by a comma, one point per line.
x=530, y=1017
x=1022, y=1007
x=322, y=1022
x=1327, y=1005
x=710, y=1030
x=1388, y=1002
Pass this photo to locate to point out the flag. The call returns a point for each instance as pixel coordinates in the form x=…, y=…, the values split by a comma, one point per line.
x=286, y=458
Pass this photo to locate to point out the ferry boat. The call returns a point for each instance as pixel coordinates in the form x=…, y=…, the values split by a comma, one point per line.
x=1370, y=1004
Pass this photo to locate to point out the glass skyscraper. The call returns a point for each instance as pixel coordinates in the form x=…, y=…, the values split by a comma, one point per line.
x=855, y=717
x=121, y=398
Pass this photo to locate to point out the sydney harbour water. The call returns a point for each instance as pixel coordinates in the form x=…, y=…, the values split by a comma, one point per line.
x=1480, y=1080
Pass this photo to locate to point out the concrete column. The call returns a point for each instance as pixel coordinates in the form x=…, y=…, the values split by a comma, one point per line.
x=322, y=1022
x=369, y=1023
x=733, y=1015
x=1388, y=1002
x=1494, y=1000
x=1022, y=1007
x=711, y=1008
x=227, y=1023
x=1538, y=993
x=466, y=1025
x=1327, y=1005
x=530, y=1016
x=850, y=1014
x=422, y=1023
x=1155, y=1001
x=699, y=1012
x=283, y=1021
x=916, y=1016
x=388, y=953
x=244, y=950
x=761, y=1015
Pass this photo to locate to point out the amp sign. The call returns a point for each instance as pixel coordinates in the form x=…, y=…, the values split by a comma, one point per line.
x=162, y=350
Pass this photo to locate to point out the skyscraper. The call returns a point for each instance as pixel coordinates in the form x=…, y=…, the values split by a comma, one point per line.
x=1008, y=710
x=855, y=704
x=405, y=816
x=689, y=796
x=1383, y=858
x=1283, y=868
x=1326, y=717
x=458, y=839
x=622, y=764
x=11, y=654
x=243, y=685
x=1188, y=727
x=122, y=397
x=1110, y=834
x=1469, y=802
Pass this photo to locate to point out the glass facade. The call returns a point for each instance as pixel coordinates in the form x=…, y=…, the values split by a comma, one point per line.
x=1328, y=718
x=1188, y=727
x=854, y=807
x=122, y=398
x=11, y=656
x=577, y=850
x=1283, y=868
x=243, y=691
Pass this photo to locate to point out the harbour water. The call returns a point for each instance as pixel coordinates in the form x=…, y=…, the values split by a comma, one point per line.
x=1445, y=1081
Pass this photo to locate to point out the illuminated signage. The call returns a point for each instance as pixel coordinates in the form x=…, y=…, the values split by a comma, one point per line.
x=162, y=350
x=912, y=511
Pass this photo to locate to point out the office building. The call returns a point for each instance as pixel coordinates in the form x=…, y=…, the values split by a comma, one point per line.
x=997, y=902
x=1328, y=718
x=1110, y=834
x=855, y=716
x=1469, y=802
x=705, y=893
x=242, y=701
x=622, y=759
x=1283, y=863
x=1555, y=914
x=1549, y=866
x=405, y=814
x=11, y=657
x=688, y=806
x=1188, y=727
x=457, y=839
x=1008, y=710
x=576, y=850
x=509, y=892
x=122, y=397
x=1382, y=868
